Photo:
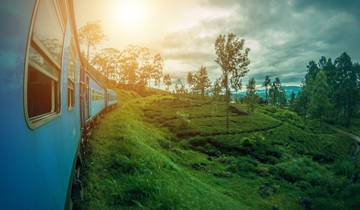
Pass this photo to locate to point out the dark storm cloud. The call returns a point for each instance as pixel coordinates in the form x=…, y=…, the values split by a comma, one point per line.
x=283, y=35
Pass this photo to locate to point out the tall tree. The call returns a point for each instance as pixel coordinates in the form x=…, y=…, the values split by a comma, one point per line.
x=233, y=59
x=319, y=100
x=129, y=64
x=216, y=88
x=157, y=71
x=190, y=80
x=90, y=35
x=347, y=92
x=179, y=87
x=201, y=80
x=251, y=97
x=167, y=81
x=107, y=62
x=266, y=84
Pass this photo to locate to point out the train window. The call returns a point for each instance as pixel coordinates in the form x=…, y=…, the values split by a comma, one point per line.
x=96, y=95
x=71, y=76
x=42, y=83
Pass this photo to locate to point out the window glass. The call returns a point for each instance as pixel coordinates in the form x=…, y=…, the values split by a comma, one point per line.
x=72, y=62
x=44, y=63
x=48, y=33
x=71, y=74
x=96, y=95
x=40, y=93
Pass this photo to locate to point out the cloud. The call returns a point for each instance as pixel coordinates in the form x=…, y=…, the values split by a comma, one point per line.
x=283, y=35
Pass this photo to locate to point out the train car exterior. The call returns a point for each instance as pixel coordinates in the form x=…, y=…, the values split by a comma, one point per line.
x=97, y=98
x=111, y=98
x=40, y=110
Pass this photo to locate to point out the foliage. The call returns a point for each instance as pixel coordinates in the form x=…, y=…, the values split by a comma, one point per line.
x=90, y=35
x=330, y=87
x=251, y=97
x=266, y=84
x=201, y=81
x=319, y=102
x=233, y=59
x=216, y=88
x=167, y=81
x=143, y=151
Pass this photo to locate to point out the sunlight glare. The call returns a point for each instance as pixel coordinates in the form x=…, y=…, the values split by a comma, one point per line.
x=130, y=14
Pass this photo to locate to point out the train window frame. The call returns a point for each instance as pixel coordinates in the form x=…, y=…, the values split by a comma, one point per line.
x=70, y=86
x=34, y=44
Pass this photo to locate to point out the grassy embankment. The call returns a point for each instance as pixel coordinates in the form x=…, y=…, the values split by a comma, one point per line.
x=165, y=152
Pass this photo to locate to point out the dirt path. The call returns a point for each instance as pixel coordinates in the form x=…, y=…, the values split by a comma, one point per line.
x=353, y=136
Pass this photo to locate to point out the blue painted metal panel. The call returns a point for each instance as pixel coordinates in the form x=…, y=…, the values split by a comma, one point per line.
x=35, y=165
x=112, y=97
x=96, y=106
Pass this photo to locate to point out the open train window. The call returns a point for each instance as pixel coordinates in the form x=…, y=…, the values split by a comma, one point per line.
x=44, y=57
x=71, y=76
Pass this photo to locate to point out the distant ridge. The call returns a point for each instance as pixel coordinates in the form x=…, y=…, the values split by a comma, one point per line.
x=262, y=94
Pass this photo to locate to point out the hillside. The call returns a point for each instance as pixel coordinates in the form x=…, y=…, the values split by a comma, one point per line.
x=161, y=151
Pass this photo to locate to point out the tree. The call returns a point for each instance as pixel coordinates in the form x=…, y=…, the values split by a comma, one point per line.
x=201, y=80
x=292, y=98
x=319, y=100
x=251, y=97
x=90, y=35
x=129, y=64
x=233, y=59
x=216, y=89
x=180, y=87
x=236, y=84
x=157, y=70
x=346, y=88
x=190, y=80
x=266, y=84
x=167, y=81
x=107, y=62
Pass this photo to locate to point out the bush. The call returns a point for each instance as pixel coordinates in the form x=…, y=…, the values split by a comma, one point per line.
x=290, y=117
x=300, y=170
x=182, y=122
x=344, y=167
x=268, y=188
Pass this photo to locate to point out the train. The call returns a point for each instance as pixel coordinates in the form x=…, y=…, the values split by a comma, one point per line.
x=51, y=98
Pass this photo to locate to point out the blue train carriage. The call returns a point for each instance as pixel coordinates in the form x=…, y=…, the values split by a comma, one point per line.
x=111, y=98
x=95, y=94
x=40, y=111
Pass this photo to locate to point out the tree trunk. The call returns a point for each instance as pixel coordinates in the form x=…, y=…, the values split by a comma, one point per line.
x=227, y=101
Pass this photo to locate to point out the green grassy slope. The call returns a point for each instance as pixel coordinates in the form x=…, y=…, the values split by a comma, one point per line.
x=163, y=152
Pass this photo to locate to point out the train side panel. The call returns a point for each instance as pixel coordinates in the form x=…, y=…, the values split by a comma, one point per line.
x=97, y=98
x=35, y=163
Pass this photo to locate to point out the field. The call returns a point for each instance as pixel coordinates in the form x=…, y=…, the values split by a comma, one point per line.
x=160, y=151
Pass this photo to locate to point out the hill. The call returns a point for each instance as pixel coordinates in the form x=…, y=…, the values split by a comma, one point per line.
x=161, y=151
x=261, y=92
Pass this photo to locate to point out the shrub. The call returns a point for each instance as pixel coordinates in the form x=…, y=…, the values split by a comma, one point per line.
x=300, y=170
x=290, y=117
x=182, y=121
x=344, y=167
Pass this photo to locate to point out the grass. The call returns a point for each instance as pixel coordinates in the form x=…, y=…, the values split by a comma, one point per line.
x=158, y=151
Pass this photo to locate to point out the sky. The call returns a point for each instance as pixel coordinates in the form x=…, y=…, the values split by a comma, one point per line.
x=283, y=35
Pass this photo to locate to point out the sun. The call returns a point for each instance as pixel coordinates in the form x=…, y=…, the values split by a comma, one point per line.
x=130, y=13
